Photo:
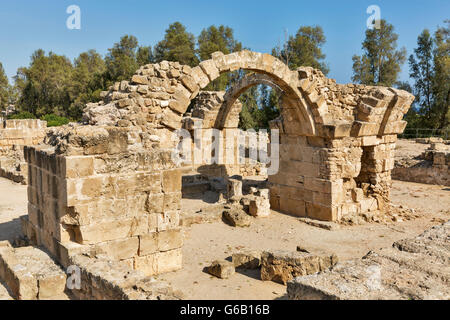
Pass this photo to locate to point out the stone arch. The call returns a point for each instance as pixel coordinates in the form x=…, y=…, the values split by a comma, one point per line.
x=266, y=64
x=239, y=88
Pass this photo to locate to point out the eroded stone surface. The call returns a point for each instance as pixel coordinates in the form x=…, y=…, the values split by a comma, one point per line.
x=236, y=217
x=221, y=269
x=29, y=273
x=283, y=266
x=412, y=269
x=250, y=259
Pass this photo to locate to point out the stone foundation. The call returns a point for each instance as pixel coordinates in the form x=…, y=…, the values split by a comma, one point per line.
x=431, y=167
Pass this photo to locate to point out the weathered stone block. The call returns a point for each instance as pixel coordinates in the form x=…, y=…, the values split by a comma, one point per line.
x=250, y=259
x=282, y=266
x=221, y=269
x=236, y=217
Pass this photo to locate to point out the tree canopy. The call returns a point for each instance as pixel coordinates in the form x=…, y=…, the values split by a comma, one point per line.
x=4, y=89
x=177, y=45
x=304, y=49
x=380, y=63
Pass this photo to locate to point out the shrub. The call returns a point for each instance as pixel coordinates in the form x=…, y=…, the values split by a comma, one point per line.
x=22, y=115
x=55, y=121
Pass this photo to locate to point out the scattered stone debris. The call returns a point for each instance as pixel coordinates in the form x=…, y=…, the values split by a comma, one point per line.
x=259, y=204
x=236, y=217
x=234, y=188
x=320, y=224
x=282, y=266
x=249, y=259
x=221, y=269
x=416, y=268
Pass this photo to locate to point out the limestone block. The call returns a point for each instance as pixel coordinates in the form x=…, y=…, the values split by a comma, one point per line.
x=357, y=195
x=283, y=266
x=291, y=206
x=250, y=259
x=170, y=240
x=169, y=261
x=148, y=244
x=199, y=77
x=146, y=264
x=221, y=269
x=171, y=181
x=120, y=249
x=209, y=67
x=236, y=217
x=259, y=207
x=138, y=80
x=234, y=188
x=114, y=230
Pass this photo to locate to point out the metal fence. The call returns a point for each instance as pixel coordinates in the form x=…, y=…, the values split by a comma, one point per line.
x=414, y=133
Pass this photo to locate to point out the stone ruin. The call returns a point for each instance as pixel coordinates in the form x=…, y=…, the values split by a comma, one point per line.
x=109, y=187
x=430, y=167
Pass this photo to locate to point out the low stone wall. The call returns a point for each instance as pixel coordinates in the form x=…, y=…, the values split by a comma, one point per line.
x=14, y=135
x=21, y=132
x=431, y=167
x=103, y=279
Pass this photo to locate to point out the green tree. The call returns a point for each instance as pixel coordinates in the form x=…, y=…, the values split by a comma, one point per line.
x=121, y=59
x=381, y=62
x=441, y=83
x=250, y=114
x=4, y=89
x=125, y=57
x=87, y=82
x=44, y=85
x=144, y=55
x=304, y=49
x=430, y=69
x=215, y=39
x=177, y=45
x=421, y=70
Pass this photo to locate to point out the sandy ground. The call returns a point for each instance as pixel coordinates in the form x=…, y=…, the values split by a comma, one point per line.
x=207, y=242
x=13, y=204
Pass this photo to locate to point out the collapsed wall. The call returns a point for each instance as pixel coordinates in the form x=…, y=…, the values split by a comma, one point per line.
x=113, y=185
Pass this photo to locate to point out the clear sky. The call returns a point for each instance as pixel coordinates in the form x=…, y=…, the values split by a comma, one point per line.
x=259, y=24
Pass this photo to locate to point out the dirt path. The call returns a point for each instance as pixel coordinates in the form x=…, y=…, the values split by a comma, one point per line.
x=13, y=204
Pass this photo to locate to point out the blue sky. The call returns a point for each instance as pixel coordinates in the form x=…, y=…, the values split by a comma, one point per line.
x=259, y=24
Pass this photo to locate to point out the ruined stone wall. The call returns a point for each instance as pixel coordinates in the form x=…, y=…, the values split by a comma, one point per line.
x=14, y=134
x=20, y=133
x=99, y=193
